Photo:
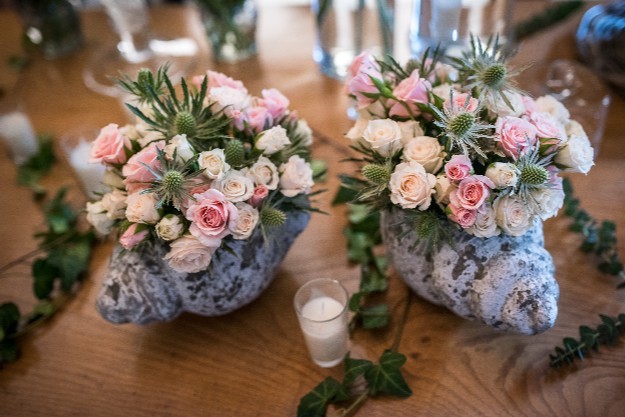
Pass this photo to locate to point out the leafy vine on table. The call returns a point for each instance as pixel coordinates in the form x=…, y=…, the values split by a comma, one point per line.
x=62, y=256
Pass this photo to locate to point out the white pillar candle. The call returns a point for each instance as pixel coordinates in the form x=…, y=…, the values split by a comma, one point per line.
x=90, y=174
x=19, y=136
x=321, y=306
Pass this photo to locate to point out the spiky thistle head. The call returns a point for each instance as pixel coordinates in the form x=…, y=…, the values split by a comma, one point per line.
x=376, y=174
x=185, y=124
x=234, y=152
x=533, y=174
x=272, y=217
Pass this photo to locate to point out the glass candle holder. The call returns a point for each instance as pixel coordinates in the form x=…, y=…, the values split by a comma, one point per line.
x=76, y=146
x=321, y=306
x=16, y=131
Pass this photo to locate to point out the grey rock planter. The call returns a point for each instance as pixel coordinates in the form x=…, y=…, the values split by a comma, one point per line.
x=505, y=282
x=140, y=287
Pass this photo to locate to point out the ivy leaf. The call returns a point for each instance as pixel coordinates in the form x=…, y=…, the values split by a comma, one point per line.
x=30, y=172
x=9, y=319
x=374, y=279
x=386, y=378
x=375, y=317
x=344, y=195
x=59, y=214
x=9, y=351
x=358, y=247
x=44, y=275
x=71, y=260
x=354, y=368
x=314, y=403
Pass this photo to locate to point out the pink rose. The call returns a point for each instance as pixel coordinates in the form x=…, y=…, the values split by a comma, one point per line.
x=110, y=146
x=464, y=217
x=275, y=102
x=198, y=189
x=515, y=135
x=260, y=193
x=472, y=192
x=458, y=168
x=212, y=217
x=411, y=90
x=530, y=105
x=137, y=176
x=217, y=79
x=462, y=102
x=546, y=125
x=131, y=237
x=553, y=179
x=258, y=118
x=359, y=79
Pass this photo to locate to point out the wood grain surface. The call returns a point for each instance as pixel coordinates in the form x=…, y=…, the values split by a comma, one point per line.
x=253, y=362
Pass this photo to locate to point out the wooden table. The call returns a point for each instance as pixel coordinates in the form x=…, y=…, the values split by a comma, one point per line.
x=254, y=362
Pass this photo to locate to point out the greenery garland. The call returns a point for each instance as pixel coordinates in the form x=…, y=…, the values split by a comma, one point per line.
x=62, y=257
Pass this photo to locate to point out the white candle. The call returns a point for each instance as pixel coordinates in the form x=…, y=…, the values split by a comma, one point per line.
x=18, y=134
x=324, y=326
x=90, y=174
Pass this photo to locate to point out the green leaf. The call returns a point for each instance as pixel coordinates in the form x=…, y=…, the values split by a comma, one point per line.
x=314, y=403
x=372, y=278
x=354, y=301
x=59, y=214
x=354, y=368
x=386, y=377
x=319, y=169
x=71, y=260
x=9, y=351
x=44, y=275
x=375, y=317
x=344, y=195
x=38, y=165
x=358, y=247
x=9, y=319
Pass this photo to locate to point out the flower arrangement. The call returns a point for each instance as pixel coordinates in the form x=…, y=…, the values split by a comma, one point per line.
x=459, y=143
x=199, y=170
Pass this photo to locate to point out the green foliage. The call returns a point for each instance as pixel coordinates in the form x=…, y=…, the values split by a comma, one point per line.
x=546, y=18
x=9, y=320
x=383, y=378
x=607, y=333
x=30, y=172
x=599, y=238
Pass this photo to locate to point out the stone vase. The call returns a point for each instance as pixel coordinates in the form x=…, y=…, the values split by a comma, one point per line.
x=141, y=288
x=504, y=281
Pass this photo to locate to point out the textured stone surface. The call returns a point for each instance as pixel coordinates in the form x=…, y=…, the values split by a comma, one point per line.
x=140, y=287
x=506, y=282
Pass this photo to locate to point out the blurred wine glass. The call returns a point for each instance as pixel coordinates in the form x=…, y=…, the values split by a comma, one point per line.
x=135, y=48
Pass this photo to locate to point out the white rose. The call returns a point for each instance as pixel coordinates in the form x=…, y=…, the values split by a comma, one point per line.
x=576, y=155
x=142, y=208
x=115, y=204
x=383, y=136
x=169, y=228
x=411, y=186
x=183, y=148
x=485, y=224
x=499, y=108
x=228, y=99
x=272, y=140
x=214, y=163
x=113, y=179
x=503, y=174
x=445, y=71
x=573, y=128
x=551, y=105
x=409, y=130
x=426, y=151
x=512, y=215
x=442, y=189
x=547, y=202
x=296, y=177
x=96, y=216
x=235, y=186
x=247, y=221
x=264, y=172
x=188, y=255
x=355, y=133
x=443, y=90
x=303, y=130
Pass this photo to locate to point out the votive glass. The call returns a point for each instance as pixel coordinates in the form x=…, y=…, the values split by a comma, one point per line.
x=321, y=306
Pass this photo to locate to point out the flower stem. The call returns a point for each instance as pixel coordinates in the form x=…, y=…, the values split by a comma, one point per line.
x=403, y=319
x=353, y=407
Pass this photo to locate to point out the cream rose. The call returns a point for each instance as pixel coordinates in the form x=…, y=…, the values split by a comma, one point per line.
x=229, y=99
x=272, y=140
x=264, y=172
x=411, y=186
x=115, y=204
x=576, y=155
x=503, y=174
x=409, y=130
x=214, y=163
x=170, y=227
x=485, y=224
x=296, y=177
x=97, y=217
x=443, y=188
x=142, y=208
x=499, y=108
x=181, y=145
x=355, y=133
x=547, y=202
x=426, y=151
x=235, y=186
x=552, y=106
x=248, y=219
x=113, y=179
x=383, y=136
x=187, y=254
x=512, y=215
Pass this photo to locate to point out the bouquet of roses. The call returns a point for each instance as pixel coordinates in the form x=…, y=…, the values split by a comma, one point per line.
x=459, y=143
x=201, y=167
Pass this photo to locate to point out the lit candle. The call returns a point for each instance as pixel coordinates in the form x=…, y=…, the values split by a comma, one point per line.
x=322, y=311
x=90, y=174
x=18, y=134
